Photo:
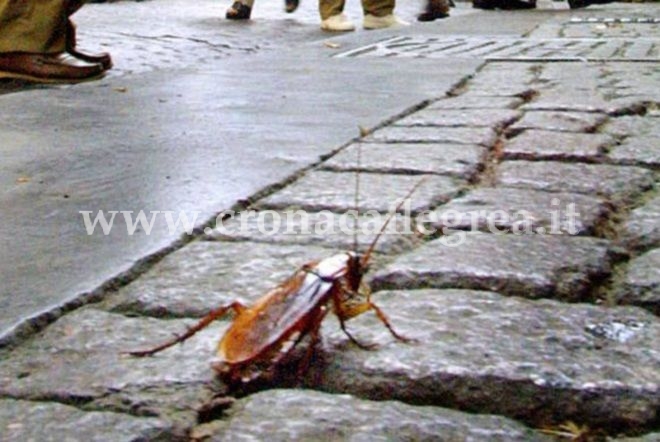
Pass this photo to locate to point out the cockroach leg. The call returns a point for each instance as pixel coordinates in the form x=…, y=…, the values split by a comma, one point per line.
x=386, y=322
x=236, y=306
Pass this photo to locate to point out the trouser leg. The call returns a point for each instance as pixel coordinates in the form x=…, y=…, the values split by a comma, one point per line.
x=328, y=8
x=34, y=26
x=379, y=8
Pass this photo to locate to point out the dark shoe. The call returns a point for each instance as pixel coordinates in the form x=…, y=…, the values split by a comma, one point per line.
x=291, y=5
x=434, y=9
x=507, y=5
x=103, y=58
x=514, y=5
x=486, y=4
x=576, y=4
x=238, y=11
x=47, y=68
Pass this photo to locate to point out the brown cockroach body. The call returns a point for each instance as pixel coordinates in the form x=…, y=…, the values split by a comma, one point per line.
x=263, y=335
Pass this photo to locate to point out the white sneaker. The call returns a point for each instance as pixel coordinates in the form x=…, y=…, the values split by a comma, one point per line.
x=337, y=23
x=387, y=21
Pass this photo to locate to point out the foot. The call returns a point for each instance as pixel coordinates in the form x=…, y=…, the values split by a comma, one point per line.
x=387, y=21
x=291, y=5
x=47, y=68
x=71, y=41
x=576, y=4
x=238, y=11
x=337, y=23
x=512, y=5
x=102, y=58
x=434, y=9
x=486, y=4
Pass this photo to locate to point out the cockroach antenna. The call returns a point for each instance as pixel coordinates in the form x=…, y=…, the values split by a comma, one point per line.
x=367, y=254
x=357, y=198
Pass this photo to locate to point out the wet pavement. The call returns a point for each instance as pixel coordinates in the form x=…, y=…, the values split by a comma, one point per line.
x=546, y=108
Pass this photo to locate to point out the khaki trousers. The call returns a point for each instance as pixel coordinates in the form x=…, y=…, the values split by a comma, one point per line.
x=35, y=26
x=379, y=8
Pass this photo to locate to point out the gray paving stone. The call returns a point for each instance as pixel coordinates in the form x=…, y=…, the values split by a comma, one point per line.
x=614, y=88
x=502, y=79
x=335, y=191
x=207, y=274
x=637, y=151
x=560, y=121
x=560, y=101
x=520, y=210
x=641, y=284
x=531, y=266
x=495, y=118
x=619, y=184
x=542, y=144
x=315, y=416
x=476, y=102
x=326, y=229
x=642, y=229
x=637, y=126
x=43, y=421
x=459, y=160
x=78, y=359
x=483, y=136
x=537, y=361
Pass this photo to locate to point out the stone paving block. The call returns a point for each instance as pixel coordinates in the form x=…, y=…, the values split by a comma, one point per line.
x=538, y=361
x=43, y=421
x=532, y=266
x=542, y=144
x=483, y=136
x=560, y=101
x=560, y=121
x=619, y=184
x=206, y=275
x=326, y=229
x=315, y=416
x=642, y=229
x=476, y=102
x=495, y=118
x=78, y=359
x=641, y=283
x=637, y=151
x=335, y=191
x=502, y=79
x=637, y=126
x=519, y=210
x=459, y=160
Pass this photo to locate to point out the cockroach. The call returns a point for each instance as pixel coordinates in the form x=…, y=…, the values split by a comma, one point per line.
x=261, y=336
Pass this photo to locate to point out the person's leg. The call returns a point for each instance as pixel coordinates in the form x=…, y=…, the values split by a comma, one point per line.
x=33, y=26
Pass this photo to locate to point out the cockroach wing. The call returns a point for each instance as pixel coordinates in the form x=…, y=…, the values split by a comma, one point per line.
x=281, y=312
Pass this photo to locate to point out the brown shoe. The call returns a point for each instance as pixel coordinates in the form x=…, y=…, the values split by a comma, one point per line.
x=47, y=68
x=103, y=58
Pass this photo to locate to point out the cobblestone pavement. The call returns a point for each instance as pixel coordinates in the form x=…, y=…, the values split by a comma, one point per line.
x=521, y=324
